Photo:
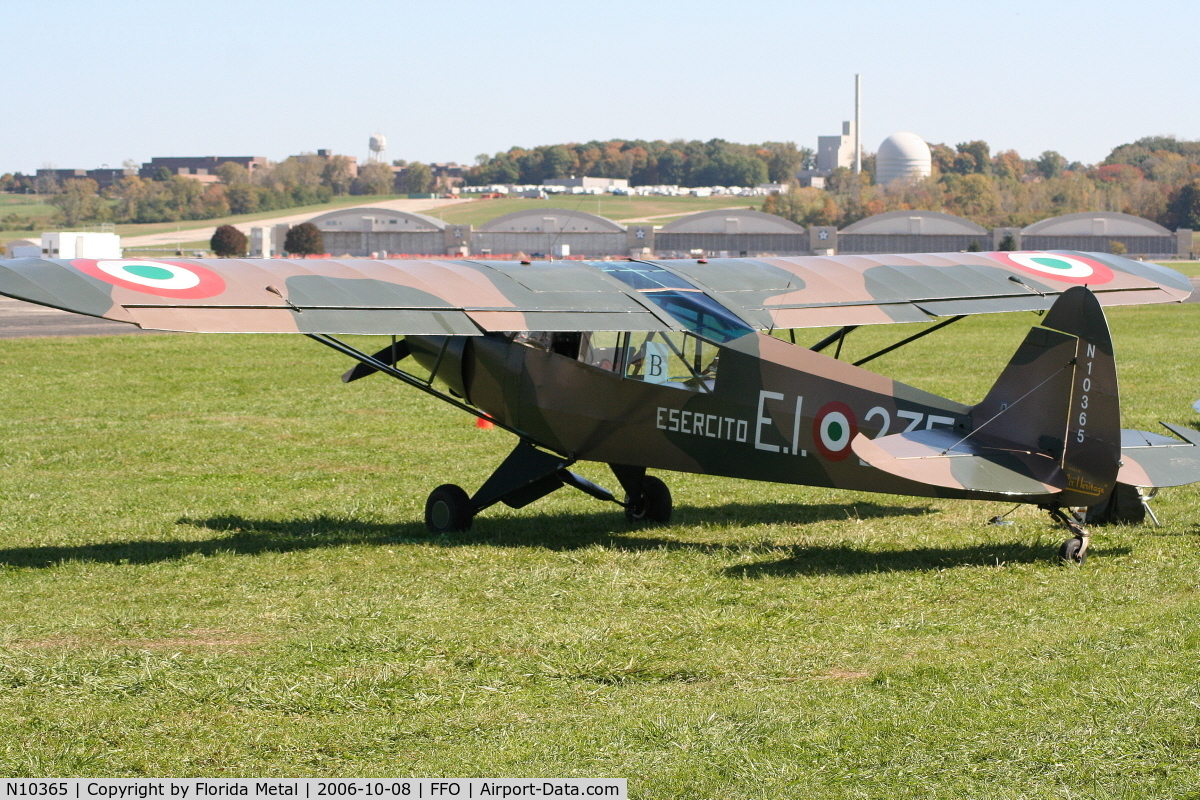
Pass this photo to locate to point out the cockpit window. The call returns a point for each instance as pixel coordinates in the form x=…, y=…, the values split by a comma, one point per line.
x=694, y=309
x=674, y=359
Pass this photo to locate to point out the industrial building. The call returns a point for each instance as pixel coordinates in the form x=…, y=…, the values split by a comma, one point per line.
x=902, y=156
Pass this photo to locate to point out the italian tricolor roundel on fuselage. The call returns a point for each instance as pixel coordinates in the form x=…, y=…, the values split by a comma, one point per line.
x=162, y=278
x=1056, y=266
x=833, y=428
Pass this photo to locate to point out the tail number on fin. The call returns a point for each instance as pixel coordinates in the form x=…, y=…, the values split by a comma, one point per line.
x=1086, y=386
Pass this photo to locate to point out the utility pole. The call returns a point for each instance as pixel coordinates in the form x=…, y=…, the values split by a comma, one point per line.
x=857, y=124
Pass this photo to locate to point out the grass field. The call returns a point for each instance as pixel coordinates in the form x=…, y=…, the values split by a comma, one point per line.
x=212, y=563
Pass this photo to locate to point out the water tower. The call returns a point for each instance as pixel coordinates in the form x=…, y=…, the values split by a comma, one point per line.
x=378, y=145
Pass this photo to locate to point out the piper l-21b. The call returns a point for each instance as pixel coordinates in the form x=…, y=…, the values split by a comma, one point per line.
x=678, y=365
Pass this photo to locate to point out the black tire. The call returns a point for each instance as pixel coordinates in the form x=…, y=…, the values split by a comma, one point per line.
x=653, y=506
x=448, y=509
x=1069, y=552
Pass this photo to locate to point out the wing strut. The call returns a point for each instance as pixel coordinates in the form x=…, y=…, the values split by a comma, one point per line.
x=412, y=380
x=910, y=339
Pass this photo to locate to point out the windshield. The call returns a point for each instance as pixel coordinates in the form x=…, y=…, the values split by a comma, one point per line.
x=695, y=310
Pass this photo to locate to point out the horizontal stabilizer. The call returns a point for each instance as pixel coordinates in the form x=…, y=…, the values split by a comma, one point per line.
x=943, y=458
x=1152, y=460
x=390, y=355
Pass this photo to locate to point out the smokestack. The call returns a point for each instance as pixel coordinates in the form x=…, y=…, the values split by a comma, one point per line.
x=857, y=124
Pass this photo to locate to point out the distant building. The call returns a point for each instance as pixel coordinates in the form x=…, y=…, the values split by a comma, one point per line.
x=201, y=168
x=836, y=151
x=361, y=232
x=543, y=230
x=23, y=248
x=104, y=177
x=73, y=244
x=607, y=184
x=910, y=232
x=1098, y=231
x=902, y=156
x=731, y=232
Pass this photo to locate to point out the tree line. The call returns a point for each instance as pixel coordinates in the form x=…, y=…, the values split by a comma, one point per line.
x=296, y=181
x=642, y=163
x=1157, y=178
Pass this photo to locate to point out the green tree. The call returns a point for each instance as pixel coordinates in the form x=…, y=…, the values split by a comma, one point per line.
x=375, y=179
x=233, y=173
x=304, y=240
x=338, y=174
x=784, y=159
x=1183, y=207
x=228, y=241
x=243, y=198
x=417, y=178
x=980, y=154
x=1050, y=164
x=78, y=202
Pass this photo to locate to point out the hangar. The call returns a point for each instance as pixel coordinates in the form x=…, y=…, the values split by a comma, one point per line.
x=734, y=232
x=911, y=232
x=550, y=231
x=1096, y=231
x=362, y=231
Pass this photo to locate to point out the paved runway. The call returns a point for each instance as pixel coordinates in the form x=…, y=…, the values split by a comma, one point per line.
x=19, y=319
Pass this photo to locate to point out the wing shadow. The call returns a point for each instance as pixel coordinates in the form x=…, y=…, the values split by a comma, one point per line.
x=559, y=532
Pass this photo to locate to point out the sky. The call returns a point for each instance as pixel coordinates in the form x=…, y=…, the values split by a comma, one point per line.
x=93, y=83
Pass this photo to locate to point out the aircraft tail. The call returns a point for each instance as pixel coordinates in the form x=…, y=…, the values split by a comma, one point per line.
x=1049, y=426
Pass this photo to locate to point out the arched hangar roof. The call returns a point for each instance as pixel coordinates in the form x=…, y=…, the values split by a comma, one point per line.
x=539, y=220
x=911, y=222
x=366, y=218
x=731, y=220
x=1095, y=223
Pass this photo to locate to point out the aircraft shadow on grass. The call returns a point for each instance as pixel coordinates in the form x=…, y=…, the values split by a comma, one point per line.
x=560, y=532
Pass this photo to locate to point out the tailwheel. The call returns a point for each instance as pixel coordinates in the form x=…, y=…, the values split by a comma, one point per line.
x=448, y=509
x=1072, y=551
x=654, y=505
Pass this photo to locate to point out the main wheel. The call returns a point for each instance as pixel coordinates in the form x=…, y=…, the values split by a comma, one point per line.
x=1070, y=551
x=448, y=509
x=653, y=506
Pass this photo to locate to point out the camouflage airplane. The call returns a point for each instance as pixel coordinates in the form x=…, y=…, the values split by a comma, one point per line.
x=680, y=365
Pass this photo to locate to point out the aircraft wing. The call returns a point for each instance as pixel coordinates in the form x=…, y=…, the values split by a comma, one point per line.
x=820, y=291
x=343, y=296
x=469, y=297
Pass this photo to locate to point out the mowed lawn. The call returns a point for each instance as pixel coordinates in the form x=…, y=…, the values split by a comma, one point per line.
x=212, y=563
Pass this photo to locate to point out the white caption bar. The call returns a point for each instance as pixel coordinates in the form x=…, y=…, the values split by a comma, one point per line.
x=311, y=788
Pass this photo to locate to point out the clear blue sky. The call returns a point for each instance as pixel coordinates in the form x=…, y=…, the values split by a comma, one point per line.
x=91, y=83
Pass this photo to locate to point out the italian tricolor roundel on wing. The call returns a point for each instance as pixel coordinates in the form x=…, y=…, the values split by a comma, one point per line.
x=833, y=428
x=1056, y=266
x=162, y=278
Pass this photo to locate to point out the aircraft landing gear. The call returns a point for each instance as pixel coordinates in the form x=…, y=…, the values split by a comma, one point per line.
x=1073, y=550
x=654, y=504
x=449, y=509
x=529, y=474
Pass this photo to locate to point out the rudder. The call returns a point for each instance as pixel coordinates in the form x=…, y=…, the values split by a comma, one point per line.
x=1067, y=370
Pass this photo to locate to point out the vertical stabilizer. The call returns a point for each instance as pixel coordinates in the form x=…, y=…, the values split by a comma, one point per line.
x=1061, y=387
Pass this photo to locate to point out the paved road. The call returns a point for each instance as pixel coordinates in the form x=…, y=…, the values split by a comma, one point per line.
x=19, y=319
x=1195, y=298
x=197, y=234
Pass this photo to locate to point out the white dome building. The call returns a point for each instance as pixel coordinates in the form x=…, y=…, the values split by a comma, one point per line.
x=902, y=155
